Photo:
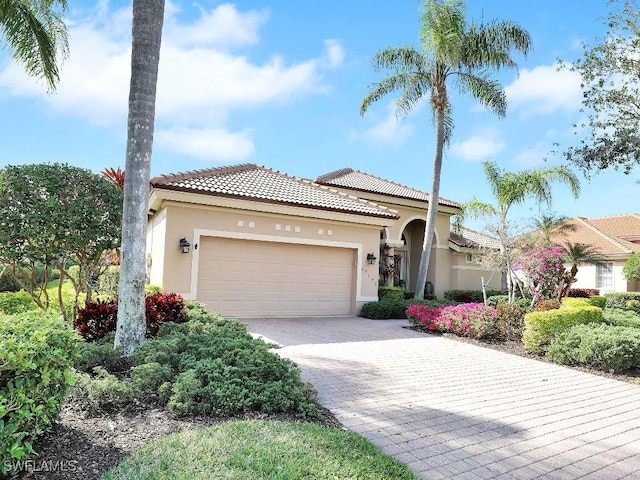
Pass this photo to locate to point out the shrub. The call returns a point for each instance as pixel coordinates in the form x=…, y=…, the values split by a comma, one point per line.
x=385, y=309
x=620, y=299
x=604, y=347
x=523, y=303
x=622, y=318
x=583, y=292
x=541, y=328
x=544, y=305
x=37, y=351
x=509, y=321
x=424, y=315
x=468, y=296
x=598, y=301
x=16, y=302
x=98, y=318
x=392, y=293
x=575, y=302
x=633, y=305
x=474, y=320
x=206, y=366
x=101, y=354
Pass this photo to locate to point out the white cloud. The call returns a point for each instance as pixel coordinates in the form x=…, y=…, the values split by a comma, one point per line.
x=389, y=130
x=223, y=26
x=200, y=79
x=480, y=147
x=207, y=143
x=544, y=90
x=333, y=53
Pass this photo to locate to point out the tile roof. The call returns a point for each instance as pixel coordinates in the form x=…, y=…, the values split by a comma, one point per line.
x=465, y=237
x=365, y=182
x=609, y=235
x=261, y=184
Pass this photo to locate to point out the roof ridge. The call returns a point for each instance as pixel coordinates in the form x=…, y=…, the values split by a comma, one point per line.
x=179, y=176
x=332, y=190
x=632, y=214
x=344, y=171
x=334, y=174
x=603, y=234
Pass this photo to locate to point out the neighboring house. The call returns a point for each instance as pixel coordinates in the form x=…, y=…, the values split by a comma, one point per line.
x=467, y=246
x=263, y=243
x=615, y=238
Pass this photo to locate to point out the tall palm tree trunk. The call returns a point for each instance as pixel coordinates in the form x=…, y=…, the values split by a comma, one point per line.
x=432, y=209
x=145, y=54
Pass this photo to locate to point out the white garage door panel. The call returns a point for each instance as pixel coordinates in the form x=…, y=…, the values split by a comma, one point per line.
x=245, y=278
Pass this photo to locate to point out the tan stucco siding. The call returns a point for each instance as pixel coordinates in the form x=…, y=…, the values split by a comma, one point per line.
x=156, y=236
x=179, y=271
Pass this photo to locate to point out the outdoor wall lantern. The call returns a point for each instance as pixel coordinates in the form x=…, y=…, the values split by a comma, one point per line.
x=371, y=258
x=184, y=245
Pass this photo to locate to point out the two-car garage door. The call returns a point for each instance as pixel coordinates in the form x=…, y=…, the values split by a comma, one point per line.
x=247, y=278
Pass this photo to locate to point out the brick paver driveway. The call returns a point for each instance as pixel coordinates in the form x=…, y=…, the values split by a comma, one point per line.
x=453, y=410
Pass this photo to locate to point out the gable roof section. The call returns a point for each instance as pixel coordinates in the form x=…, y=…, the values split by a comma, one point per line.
x=608, y=235
x=365, y=182
x=261, y=184
x=467, y=238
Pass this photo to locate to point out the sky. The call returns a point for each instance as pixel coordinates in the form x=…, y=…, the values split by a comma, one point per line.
x=280, y=83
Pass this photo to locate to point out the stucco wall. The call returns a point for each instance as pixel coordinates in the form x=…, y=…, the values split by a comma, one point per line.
x=469, y=275
x=173, y=269
x=587, y=278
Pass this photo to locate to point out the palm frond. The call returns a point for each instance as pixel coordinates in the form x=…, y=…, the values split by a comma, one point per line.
x=487, y=91
x=36, y=36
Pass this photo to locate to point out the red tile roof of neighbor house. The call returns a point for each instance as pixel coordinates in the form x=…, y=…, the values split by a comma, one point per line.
x=609, y=235
x=465, y=237
x=365, y=182
x=257, y=183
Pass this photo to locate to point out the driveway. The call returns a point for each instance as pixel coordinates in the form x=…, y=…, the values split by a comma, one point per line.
x=451, y=410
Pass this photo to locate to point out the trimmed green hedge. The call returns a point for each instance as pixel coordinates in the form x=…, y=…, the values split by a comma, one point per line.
x=391, y=293
x=620, y=299
x=388, y=309
x=541, y=328
x=469, y=296
x=37, y=351
x=598, y=301
x=604, y=347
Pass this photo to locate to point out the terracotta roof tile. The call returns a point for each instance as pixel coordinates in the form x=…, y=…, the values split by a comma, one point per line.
x=608, y=235
x=254, y=182
x=468, y=238
x=365, y=182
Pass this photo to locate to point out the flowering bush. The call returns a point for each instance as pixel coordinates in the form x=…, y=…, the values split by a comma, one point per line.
x=425, y=315
x=474, y=320
x=544, y=271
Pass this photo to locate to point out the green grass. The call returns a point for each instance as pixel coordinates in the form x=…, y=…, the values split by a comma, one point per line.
x=256, y=450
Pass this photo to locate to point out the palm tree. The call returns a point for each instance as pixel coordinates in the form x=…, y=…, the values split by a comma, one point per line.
x=509, y=189
x=452, y=50
x=546, y=225
x=577, y=254
x=36, y=35
x=145, y=54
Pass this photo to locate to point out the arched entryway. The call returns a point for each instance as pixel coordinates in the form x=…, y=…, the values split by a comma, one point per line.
x=400, y=257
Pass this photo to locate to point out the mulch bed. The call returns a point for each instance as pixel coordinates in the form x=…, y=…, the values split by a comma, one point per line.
x=81, y=448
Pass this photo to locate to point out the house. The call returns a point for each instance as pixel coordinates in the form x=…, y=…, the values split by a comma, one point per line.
x=615, y=238
x=263, y=243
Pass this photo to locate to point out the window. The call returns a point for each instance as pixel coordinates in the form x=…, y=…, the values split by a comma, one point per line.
x=605, y=276
x=469, y=258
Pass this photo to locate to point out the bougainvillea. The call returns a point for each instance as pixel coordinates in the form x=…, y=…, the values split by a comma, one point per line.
x=544, y=271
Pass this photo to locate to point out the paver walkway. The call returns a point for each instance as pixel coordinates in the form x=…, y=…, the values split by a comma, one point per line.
x=453, y=410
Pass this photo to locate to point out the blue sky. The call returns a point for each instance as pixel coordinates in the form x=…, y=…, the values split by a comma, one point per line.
x=279, y=83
